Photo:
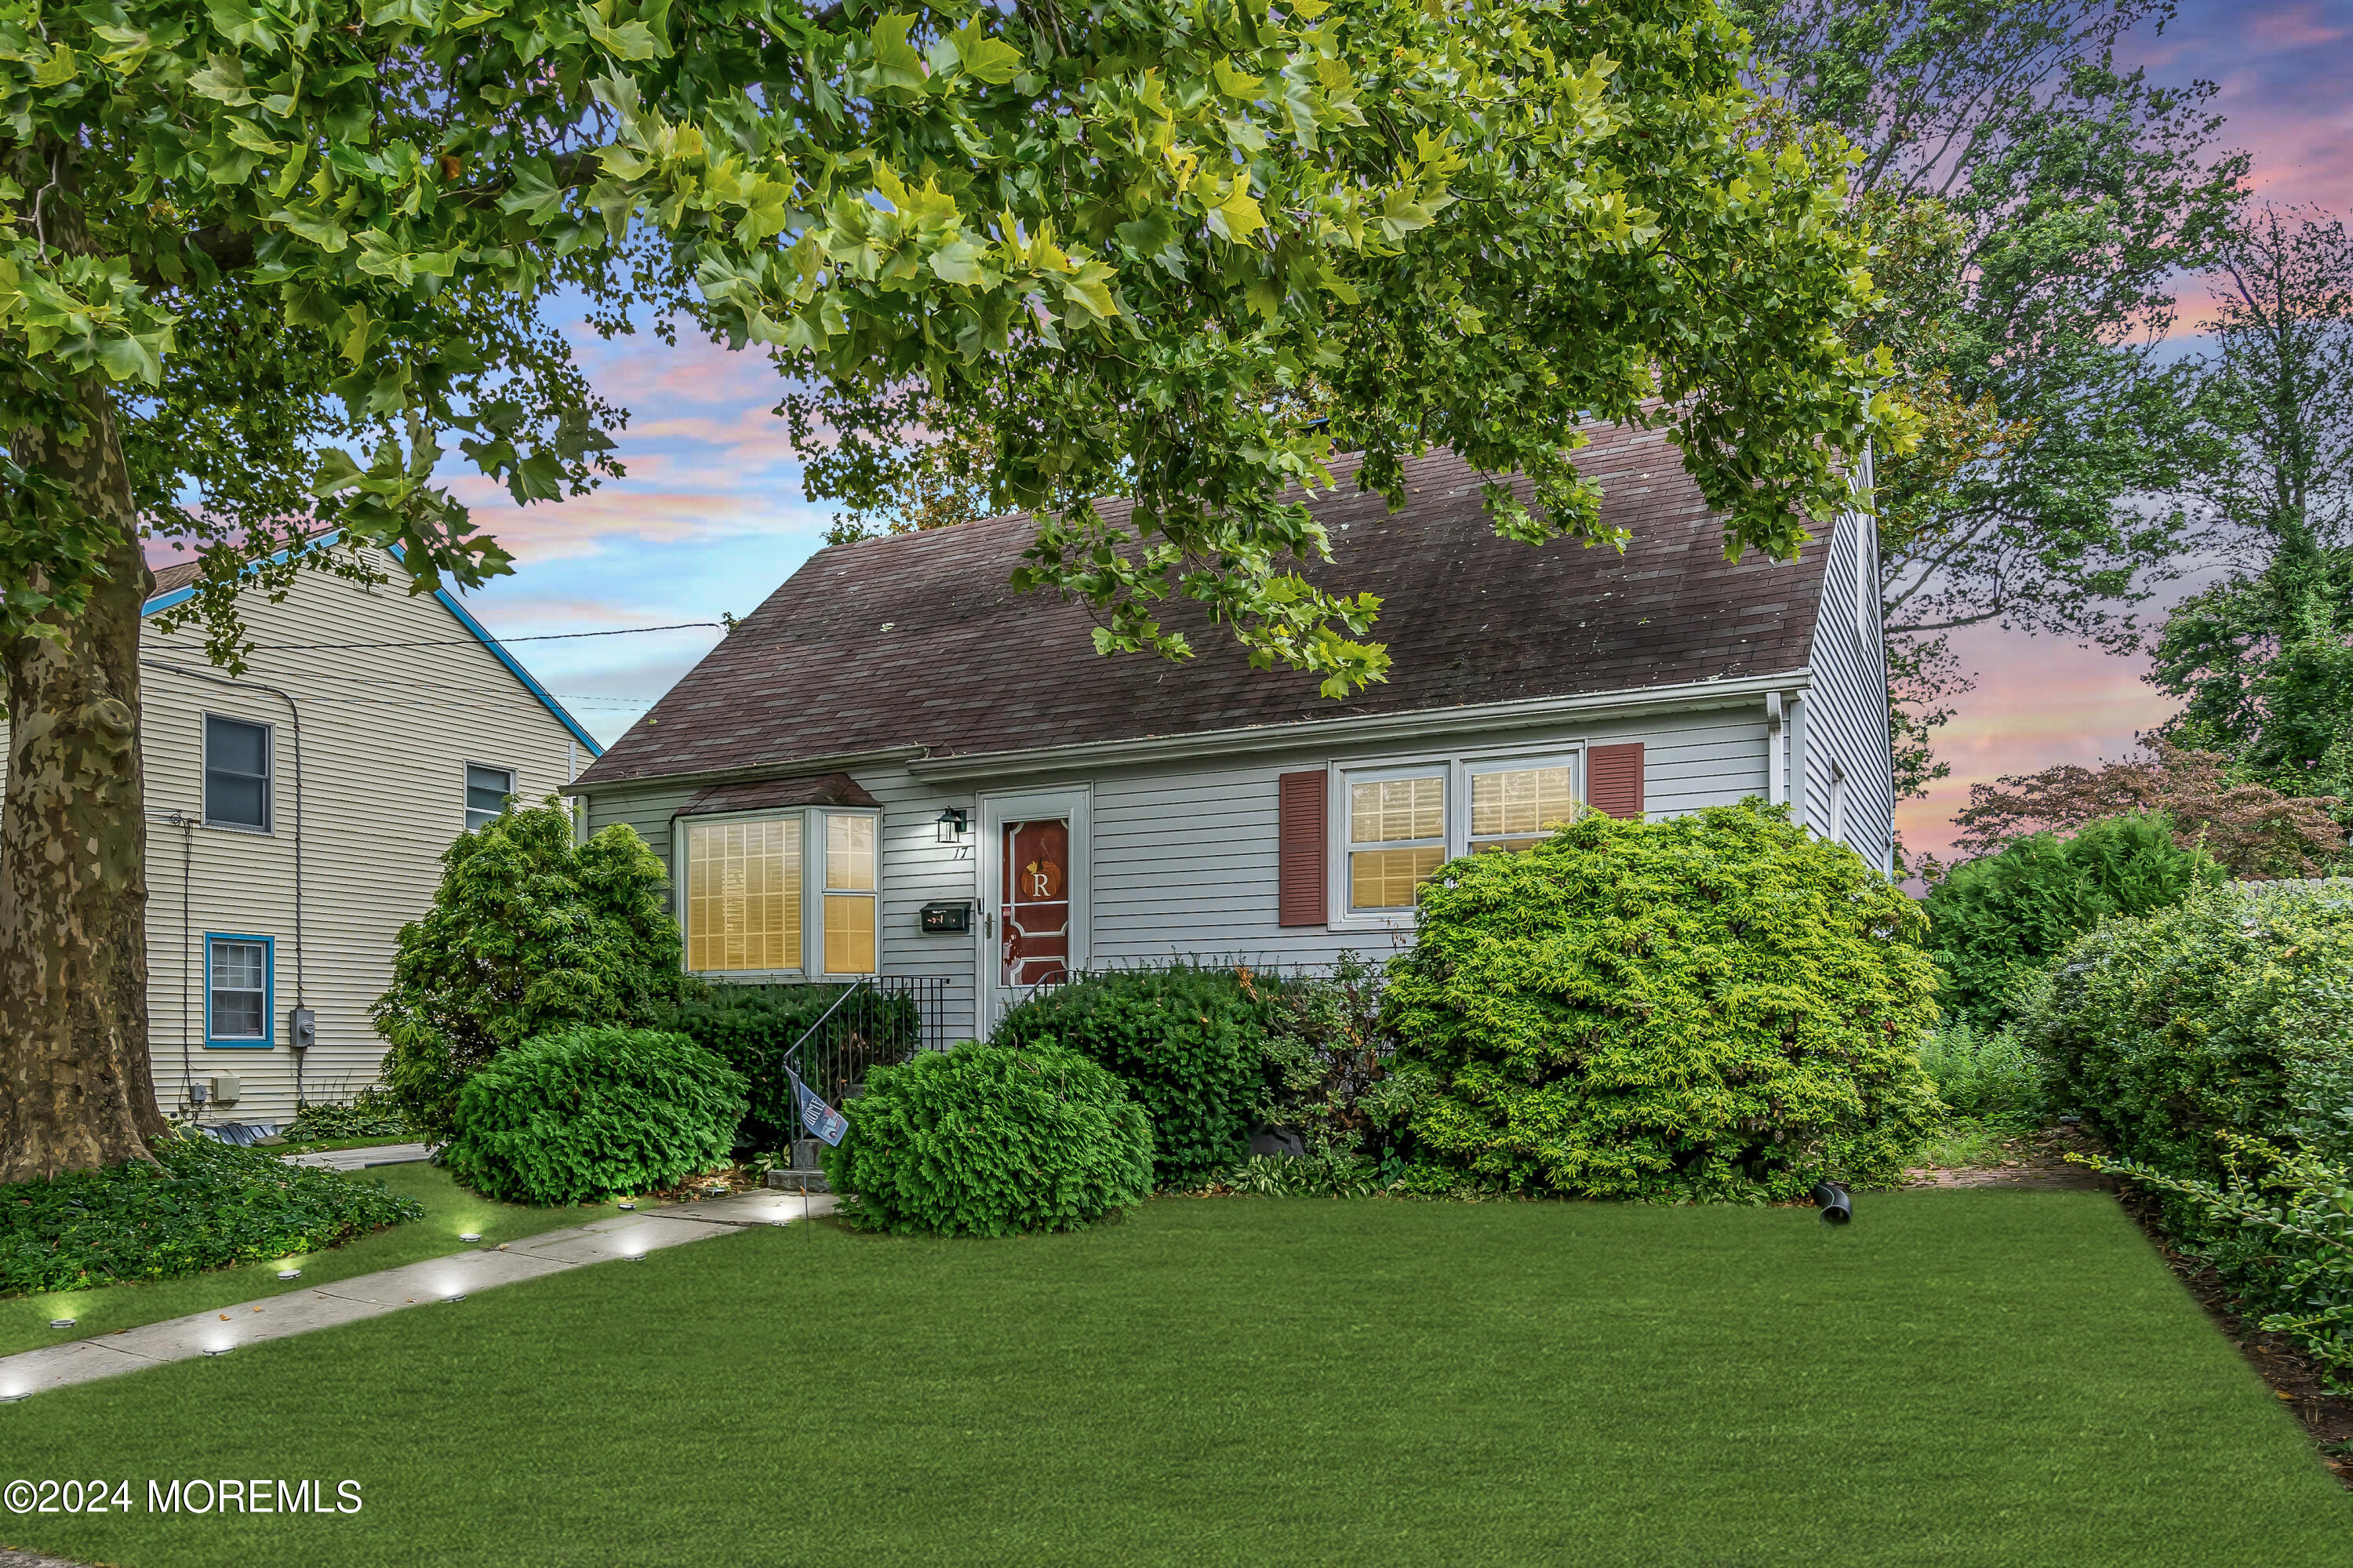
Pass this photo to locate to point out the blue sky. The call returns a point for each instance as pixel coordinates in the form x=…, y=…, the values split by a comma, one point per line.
x=710, y=517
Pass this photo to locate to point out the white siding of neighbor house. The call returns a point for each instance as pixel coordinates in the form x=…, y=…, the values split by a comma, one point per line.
x=1182, y=856
x=385, y=738
x=1843, y=717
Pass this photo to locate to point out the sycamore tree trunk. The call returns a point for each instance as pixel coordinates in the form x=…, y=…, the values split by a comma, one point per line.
x=75, y=1088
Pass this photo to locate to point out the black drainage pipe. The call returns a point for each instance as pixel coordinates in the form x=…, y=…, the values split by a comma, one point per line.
x=1831, y=1199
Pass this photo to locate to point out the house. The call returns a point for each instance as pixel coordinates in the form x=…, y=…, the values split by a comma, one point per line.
x=296, y=816
x=898, y=766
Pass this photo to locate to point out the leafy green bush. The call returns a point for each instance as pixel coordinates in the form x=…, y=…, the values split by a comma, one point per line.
x=1718, y=1005
x=1189, y=1043
x=592, y=1112
x=750, y=1027
x=991, y=1140
x=1303, y=1176
x=201, y=1205
x=1985, y=1074
x=2214, y=1016
x=1997, y=920
x=1330, y=1067
x=2278, y=1228
x=371, y=1113
x=529, y=933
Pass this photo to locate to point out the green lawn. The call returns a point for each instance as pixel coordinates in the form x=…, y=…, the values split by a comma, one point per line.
x=1998, y=1378
x=449, y=1210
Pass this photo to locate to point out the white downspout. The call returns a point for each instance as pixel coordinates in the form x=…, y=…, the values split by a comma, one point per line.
x=1776, y=733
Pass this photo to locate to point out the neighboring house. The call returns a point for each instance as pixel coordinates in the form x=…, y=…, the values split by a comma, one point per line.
x=296, y=816
x=897, y=765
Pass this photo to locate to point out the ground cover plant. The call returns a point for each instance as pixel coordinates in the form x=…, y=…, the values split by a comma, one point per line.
x=588, y=1113
x=1985, y=1075
x=199, y=1205
x=530, y=932
x=450, y=1212
x=1957, y=1379
x=371, y=1113
x=1187, y=1041
x=991, y=1140
x=1995, y=921
x=1718, y=1005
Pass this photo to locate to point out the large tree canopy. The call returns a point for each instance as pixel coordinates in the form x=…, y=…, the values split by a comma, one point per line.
x=262, y=258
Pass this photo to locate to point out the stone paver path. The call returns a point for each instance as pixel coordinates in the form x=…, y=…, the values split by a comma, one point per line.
x=426, y=1283
x=361, y=1158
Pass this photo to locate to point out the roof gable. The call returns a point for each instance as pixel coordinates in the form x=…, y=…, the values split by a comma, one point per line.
x=917, y=639
x=175, y=584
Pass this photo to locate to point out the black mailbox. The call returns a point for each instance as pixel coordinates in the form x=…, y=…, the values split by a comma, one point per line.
x=947, y=919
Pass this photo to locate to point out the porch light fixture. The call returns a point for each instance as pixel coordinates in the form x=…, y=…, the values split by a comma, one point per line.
x=953, y=824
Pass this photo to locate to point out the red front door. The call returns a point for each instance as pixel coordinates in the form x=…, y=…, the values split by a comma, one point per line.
x=1035, y=916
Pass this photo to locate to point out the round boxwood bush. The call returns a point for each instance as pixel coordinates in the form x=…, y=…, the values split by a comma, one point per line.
x=1720, y=1005
x=591, y=1112
x=1187, y=1042
x=1995, y=921
x=2217, y=1015
x=991, y=1140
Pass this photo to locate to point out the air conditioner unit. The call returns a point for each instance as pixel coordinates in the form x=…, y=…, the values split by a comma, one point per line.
x=226, y=1087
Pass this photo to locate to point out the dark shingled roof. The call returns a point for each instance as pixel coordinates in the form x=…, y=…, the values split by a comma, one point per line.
x=915, y=639
x=760, y=794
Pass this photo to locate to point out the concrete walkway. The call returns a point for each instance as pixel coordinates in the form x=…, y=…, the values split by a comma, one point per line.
x=396, y=1289
x=361, y=1158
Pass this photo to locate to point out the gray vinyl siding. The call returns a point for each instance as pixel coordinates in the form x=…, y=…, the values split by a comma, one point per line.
x=1844, y=716
x=1182, y=858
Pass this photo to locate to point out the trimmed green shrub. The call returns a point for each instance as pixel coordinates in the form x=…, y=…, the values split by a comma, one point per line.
x=1188, y=1044
x=750, y=1027
x=1718, y=1005
x=1985, y=1074
x=1995, y=921
x=592, y=1112
x=201, y=1205
x=529, y=933
x=2215, y=1016
x=991, y=1140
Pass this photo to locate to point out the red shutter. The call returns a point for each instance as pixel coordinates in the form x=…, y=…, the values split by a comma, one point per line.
x=1613, y=779
x=1298, y=826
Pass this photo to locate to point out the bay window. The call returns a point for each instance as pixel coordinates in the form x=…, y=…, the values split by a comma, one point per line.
x=787, y=893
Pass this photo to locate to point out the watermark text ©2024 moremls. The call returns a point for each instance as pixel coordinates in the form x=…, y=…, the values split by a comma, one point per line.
x=258, y=1494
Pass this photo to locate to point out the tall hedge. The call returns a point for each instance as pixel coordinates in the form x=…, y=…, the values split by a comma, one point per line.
x=2217, y=1015
x=1189, y=1043
x=529, y=933
x=1720, y=1005
x=1995, y=921
x=751, y=1027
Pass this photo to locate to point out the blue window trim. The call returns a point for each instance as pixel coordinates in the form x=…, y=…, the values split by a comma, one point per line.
x=164, y=601
x=269, y=992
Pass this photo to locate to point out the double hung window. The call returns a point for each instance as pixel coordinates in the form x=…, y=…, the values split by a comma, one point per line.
x=1399, y=823
x=850, y=895
x=236, y=774
x=487, y=790
x=237, y=991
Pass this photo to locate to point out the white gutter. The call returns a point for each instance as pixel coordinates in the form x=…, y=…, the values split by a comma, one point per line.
x=1746, y=691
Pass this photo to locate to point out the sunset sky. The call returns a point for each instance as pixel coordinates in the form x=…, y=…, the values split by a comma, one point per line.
x=710, y=517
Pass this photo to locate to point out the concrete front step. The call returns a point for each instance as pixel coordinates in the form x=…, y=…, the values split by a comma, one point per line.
x=799, y=1180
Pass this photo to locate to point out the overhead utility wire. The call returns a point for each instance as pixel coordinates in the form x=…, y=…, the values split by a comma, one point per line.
x=472, y=641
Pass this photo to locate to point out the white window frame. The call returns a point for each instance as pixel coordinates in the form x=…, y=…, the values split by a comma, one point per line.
x=514, y=787
x=1456, y=765
x=814, y=872
x=820, y=885
x=269, y=778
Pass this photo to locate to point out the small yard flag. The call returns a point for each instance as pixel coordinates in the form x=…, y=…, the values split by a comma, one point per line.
x=821, y=1119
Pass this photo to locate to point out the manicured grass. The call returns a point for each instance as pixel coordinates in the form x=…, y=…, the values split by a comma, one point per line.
x=449, y=1210
x=1999, y=1378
